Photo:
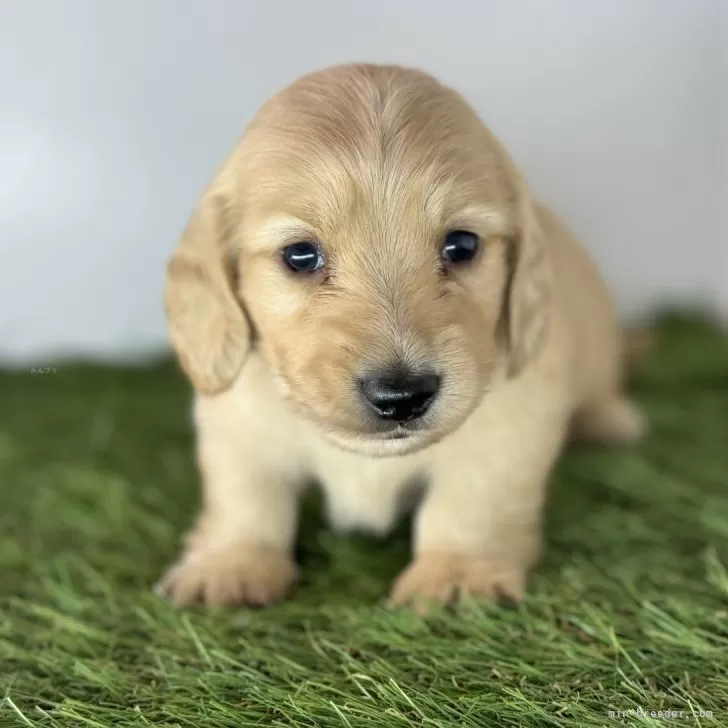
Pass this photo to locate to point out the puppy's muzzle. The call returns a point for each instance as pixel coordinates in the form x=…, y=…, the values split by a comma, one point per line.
x=398, y=396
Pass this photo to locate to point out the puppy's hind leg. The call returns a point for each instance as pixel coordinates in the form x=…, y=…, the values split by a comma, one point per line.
x=608, y=416
x=612, y=419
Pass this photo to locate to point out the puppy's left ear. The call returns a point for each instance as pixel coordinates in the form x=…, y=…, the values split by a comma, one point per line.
x=208, y=328
x=530, y=289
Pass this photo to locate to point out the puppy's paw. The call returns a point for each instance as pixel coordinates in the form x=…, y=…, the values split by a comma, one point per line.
x=441, y=579
x=240, y=573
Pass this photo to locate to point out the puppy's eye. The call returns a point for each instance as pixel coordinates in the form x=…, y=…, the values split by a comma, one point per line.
x=459, y=246
x=303, y=257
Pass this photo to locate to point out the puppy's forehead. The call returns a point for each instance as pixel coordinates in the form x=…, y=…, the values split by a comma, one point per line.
x=373, y=143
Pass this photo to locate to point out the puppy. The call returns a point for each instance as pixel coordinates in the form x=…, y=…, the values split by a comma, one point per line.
x=368, y=297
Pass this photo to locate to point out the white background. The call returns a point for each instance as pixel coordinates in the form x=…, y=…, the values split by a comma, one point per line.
x=113, y=116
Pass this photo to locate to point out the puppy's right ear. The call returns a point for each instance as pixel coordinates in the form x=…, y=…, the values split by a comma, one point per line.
x=530, y=290
x=208, y=328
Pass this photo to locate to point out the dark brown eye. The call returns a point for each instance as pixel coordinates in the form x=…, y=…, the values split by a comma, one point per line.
x=459, y=246
x=303, y=257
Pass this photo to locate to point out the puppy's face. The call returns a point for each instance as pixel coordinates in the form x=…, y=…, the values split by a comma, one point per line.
x=370, y=229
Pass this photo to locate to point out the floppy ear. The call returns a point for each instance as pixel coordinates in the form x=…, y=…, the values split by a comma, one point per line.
x=529, y=293
x=208, y=328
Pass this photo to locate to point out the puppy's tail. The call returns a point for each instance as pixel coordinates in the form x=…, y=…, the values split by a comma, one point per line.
x=638, y=344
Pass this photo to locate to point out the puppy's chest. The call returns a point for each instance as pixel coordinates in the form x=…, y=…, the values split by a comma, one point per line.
x=368, y=494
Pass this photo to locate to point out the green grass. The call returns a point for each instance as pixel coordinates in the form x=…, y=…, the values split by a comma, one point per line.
x=629, y=609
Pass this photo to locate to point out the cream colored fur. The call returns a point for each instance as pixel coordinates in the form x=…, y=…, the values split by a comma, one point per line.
x=377, y=163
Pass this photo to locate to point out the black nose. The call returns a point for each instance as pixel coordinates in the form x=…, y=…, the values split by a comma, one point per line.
x=399, y=397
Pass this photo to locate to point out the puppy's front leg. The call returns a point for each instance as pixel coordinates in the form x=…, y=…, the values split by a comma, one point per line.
x=241, y=548
x=478, y=531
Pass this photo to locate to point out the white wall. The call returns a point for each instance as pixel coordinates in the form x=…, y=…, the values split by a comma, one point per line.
x=114, y=115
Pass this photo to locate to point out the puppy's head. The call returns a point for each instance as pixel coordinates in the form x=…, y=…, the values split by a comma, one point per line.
x=377, y=245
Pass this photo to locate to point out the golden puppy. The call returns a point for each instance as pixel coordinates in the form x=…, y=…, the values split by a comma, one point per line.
x=368, y=297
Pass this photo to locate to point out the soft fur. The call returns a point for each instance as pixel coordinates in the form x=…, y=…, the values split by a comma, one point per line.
x=377, y=163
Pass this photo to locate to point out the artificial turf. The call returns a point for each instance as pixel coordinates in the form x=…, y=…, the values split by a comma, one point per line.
x=629, y=610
